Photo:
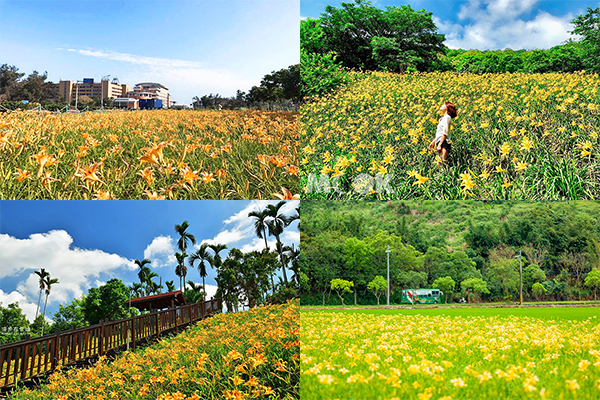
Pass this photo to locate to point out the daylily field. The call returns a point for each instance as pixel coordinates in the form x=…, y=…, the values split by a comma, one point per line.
x=354, y=355
x=517, y=136
x=157, y=154
x=246, y=355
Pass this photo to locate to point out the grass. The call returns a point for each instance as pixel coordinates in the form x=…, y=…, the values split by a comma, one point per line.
x=419, y=354
x=252, y=354
x=553, y=313
x=158, y=154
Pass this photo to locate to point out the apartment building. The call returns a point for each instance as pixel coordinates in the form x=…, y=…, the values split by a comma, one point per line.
x=151, y=90
x=103, y=89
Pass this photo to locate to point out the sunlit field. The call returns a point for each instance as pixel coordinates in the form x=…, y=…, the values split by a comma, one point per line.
x=158, y=154
x=517, y=136
x=247, y=355
x=368, y=355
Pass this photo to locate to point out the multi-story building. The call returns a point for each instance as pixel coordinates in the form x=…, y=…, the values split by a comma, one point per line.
x=104, y=89
x=151, y=90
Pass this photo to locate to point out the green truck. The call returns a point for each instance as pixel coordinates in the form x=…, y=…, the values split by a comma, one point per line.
x=421, y=296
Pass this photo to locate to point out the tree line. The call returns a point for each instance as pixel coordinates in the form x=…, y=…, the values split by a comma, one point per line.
x=447, y=245
x=360, y=36
x=243, y=279
x=277, y=90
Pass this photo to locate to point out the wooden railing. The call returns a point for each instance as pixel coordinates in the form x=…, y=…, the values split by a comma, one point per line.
x=20, y=361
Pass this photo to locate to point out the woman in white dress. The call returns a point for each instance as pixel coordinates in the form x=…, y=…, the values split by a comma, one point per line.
x=442, y=134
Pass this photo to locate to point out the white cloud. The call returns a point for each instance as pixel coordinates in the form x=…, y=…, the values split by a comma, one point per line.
x=211, y=290
x=500, y=24
x=137, y=59
x=179, y=76
x=161, y=252
x=242, y=226
x=75, y=268
x=26, y=304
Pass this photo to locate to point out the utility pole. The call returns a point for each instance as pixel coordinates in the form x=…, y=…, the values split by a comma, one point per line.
x=388, y=275
x=521, y=276
x=76, y=93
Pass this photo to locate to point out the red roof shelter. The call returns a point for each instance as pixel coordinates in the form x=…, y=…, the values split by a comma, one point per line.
x=158, y=301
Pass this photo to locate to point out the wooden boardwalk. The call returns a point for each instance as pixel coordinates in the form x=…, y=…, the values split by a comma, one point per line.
x=31, y=358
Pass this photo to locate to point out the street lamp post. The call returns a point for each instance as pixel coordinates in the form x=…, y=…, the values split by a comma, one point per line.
x=520, y=277
x=76, y=93
x=388, y=275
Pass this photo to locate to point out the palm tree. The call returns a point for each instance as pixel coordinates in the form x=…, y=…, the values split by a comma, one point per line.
x=137, y=289
x=217, y=248
x=49, y=282
x=42, y=274
x=276, y=226
x=204, y=257
x=170, y=286
x=181, y=269
x=195, y=293
x=151, y=286
x=144, y=270
x=184, y=236
x=260, y=224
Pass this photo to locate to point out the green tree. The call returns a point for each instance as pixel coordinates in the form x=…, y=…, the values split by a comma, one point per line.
x=474, y=285
x=107, y=301
x=533, y=274
x=70, y=315
x=445, y=284
x=170, y=286
x=341, y=286
x=538, y=290
x=49, y=282
x=358, y=261
x=395, y=39
x=588, y=26
x=184, y=238
x=42, y=274
x=505, y=274
x=181, y=269
x=276, y=226
x=9, y=82
x=15, y=323
x=378, y=286
x=593, y=280
x=143, y=272
x=260, y=224
x=203, y=256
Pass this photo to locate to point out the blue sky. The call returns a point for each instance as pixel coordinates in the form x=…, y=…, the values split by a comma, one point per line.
x=86, y=243
x=488, y=24
x=193, y=47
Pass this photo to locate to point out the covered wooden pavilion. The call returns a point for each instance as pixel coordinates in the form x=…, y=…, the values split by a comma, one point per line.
x=158, y=301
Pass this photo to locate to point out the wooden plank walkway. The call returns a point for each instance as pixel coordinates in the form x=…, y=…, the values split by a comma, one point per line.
x=31, y=358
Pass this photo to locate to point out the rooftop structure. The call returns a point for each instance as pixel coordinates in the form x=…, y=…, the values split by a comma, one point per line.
x=151, y=91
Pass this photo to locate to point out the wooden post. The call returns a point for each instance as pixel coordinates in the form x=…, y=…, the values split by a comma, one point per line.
x=157, y=326
x=24, y=358
x=101, y=339
x=55, y=348
x=133, y=332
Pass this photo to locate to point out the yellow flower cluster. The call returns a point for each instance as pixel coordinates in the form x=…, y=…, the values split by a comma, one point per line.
x=364, y=355
x=159, y=154
x=517, y=136
x=246, y=355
